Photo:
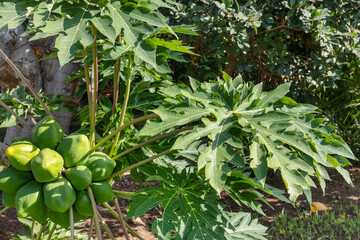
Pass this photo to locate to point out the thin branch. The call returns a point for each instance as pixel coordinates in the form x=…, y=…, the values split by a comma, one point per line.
x=126, y=99
x=96, y=219
x=136, y=120
x=123, y=225
x=152, y=140
x=23, y=78
x=22, y=121
x=107, y=229
x=139, y=164
x=272, y=29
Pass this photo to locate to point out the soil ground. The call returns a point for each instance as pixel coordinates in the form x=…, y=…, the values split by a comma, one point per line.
x=337, y=192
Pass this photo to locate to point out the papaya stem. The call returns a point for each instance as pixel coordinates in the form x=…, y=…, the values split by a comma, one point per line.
x=22, y=121
x=139, y=164
x=118, y=218
x=89, y=90
x=72, y=223
x=41, y=231
x=109, y=233
x=96, y=218
x=95, y=82
x=23, y=78
x=51, y=232
x=126, y=99
x=152, y=140
x=3, y=210
x=108, y=137
x=126, y=233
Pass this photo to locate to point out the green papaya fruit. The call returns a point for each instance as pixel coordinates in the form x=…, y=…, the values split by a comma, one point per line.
x=62, y=219
x=8, y=199
x=83, y=204
x=102, y=191
x=20, y=139
x=47, y=133
x=59, y=195
x=74, y=149
x=47, y=165
x=100, y=165
x=79, y=177
x=20, y=153
x=11, y=179
x=29, y=201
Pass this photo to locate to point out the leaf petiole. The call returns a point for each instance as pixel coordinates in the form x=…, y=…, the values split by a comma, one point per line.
x=136, y=120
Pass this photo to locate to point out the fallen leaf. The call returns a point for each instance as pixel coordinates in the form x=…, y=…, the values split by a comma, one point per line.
x=318, y=206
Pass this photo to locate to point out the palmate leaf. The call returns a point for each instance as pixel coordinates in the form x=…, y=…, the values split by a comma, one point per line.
x=43, y=12
x=278, y=133
x=12, y=15
x=188, y=211
x=72, y=28
x=136, y=35
x=247, y=228
x=70, y=21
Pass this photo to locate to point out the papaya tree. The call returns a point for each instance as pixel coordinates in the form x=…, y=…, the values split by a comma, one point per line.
x=198, y=140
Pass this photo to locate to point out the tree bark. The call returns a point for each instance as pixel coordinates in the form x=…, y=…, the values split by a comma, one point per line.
x=44, y=75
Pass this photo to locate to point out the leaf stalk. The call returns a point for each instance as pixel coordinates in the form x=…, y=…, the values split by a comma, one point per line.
x=96, y=218
x=136, y=120
x=51, y=231
x=95, y=84
x=123, y=225
x=118, y=173
x=107, y=229
x=89, y=93
x=3, y=210
x=118, y=218
x=21, y=120
x=72, y=223
x=41, y=231
x=152, y=140
x=126, y=99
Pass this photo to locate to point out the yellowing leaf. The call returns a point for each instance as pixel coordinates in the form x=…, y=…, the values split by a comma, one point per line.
x=318, y=206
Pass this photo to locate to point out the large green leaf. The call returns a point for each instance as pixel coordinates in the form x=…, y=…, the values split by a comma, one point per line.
x=278, y=133
x=43, y=12
x=247, y=228
x=72, y=29
x=104, y=25
x=12, y=15
x=188, y=212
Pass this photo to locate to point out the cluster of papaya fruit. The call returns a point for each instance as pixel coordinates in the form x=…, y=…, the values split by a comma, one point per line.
x=50, y=173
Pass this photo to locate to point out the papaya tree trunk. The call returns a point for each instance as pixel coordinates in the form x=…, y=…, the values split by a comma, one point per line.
x=44, y=75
